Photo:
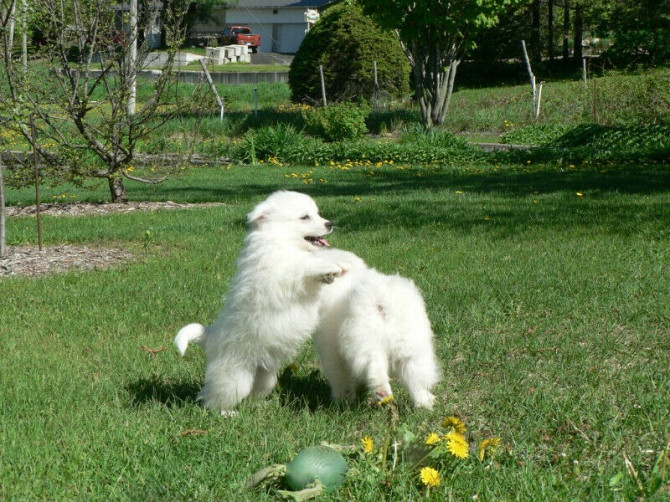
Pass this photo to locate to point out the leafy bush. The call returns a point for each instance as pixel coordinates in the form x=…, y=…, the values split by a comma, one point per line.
x=534, y=134
x=265, y=143
x=392, y=152
x=346, y=43
x=600, y=143
x=336, y=122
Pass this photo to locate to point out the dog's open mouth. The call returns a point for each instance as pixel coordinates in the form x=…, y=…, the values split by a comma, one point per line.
x=317, y=241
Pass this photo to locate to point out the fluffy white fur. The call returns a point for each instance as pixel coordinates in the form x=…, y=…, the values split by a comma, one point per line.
x=374, y=326
x=272, y=306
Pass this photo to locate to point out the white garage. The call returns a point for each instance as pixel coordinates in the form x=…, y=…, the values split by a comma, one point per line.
x=282, y=25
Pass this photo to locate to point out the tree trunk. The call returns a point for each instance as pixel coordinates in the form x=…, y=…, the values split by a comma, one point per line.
x=434, y=72
x=536, y=35
x=566, y=31
x=550, y=30
x=117, y=188
x=579, y=33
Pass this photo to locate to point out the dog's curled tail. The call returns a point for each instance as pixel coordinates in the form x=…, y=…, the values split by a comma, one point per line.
x=190, y=333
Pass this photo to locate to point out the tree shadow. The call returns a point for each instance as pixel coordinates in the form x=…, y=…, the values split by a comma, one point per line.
x=413, y=198
x=163, y=390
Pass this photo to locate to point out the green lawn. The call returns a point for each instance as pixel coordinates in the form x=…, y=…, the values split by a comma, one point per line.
x=547, y=287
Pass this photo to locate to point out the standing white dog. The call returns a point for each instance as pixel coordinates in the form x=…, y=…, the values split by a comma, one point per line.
x=373, y=326
x=272, y=307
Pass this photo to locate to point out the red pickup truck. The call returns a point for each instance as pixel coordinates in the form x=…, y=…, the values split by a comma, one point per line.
x=240, y=35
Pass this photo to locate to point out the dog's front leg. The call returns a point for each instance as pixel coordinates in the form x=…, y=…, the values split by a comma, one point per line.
x=324, y=271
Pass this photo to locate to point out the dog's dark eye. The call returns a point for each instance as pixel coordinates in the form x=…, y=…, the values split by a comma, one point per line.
x=306, y=217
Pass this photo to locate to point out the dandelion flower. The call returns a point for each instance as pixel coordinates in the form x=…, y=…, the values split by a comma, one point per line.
x=455, y=423
x=385, y=401
x=488, y=448
x=457, y=445
x=580, y=194
x=368, y=444
x=433, y=438
x=430, y=477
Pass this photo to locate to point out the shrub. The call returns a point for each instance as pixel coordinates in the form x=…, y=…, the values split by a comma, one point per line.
x=269, y=142
x=346, y=43
x=337, y=122
x=534, y=134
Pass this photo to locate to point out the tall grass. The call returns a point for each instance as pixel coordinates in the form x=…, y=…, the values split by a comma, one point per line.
x=546, y=288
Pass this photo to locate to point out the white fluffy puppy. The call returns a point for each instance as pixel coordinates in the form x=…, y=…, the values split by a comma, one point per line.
x=372, y=326
x=272, y=306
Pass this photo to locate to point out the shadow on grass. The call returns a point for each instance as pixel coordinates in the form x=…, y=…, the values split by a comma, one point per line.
x=295, y=392
x=298, y=392
x=159, y=389
x=520, y=197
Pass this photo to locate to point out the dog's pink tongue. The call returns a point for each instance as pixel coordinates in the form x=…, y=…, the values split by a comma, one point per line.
x=323, y=242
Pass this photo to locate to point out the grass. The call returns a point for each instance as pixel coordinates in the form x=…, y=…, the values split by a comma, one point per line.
x=551, y=312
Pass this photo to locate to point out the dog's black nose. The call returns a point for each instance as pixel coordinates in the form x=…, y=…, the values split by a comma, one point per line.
x=329, y=225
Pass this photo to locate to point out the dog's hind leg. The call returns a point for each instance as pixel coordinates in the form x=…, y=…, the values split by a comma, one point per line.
x=419, y=376
x=377, y=376
x=264, y=382
x=342, y=385
x=226, y=386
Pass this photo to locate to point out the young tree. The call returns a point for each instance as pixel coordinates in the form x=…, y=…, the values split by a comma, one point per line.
x=79, y=93
x=434, y=35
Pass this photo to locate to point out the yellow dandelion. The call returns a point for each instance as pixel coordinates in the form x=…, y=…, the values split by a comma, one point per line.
x=457, y=445
x=455, y=423
x=488, y=448
x=433, y=438
x=430, y=477
x=385, y=401
x=580, y=194
x=368, y=444
x=357, y=199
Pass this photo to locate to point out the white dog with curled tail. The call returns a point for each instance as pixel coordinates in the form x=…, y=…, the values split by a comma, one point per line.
x=272, y=306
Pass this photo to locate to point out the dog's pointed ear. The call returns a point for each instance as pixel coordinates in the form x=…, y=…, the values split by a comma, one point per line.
x=257, y=215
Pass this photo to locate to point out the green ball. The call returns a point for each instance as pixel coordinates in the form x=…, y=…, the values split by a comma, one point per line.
x=317, y=462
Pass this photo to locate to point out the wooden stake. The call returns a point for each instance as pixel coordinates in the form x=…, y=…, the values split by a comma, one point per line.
x=323, y=87
x=530, y=73
x=219, y=101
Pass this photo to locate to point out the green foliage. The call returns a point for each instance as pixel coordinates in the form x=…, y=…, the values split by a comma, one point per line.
x=443, y=148
x=336, y=122
x=640, y=30
x=268, y=143
x=534, y=134
x=590, y=142
x=347, y=43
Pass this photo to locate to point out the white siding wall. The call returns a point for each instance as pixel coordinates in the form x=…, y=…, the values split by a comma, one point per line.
x=290, y=37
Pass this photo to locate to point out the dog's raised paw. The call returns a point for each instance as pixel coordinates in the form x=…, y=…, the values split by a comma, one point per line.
x=329, y=277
